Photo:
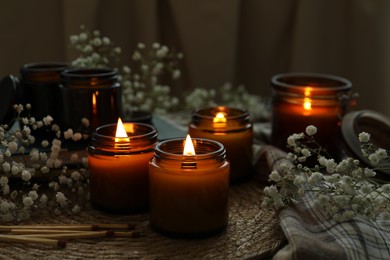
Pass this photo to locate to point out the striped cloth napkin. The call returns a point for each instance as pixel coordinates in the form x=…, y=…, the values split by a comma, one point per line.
x=311, y=236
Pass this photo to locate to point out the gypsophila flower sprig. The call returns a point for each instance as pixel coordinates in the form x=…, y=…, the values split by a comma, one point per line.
x=96, y=51
x=143, y=83
x=26, y=167
x=144, y=79
x=344, y=189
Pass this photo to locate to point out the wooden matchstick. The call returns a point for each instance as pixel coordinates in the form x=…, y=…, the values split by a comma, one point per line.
x=132, y=234
x=81, y=227
x=32, y=240
x=72, y=235
x=20, y=231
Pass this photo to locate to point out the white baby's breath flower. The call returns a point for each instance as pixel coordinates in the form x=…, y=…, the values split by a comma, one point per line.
x=83, y=36
x=74, y=39
x=15, y=169
x=176, y=74
x=25, y=120
x=3, y=181
x=386, y=188
x=136, y=56
x=62, y=179
x=43, y=199
x=306, y=152
x=76, y=137
x=364, y=137
x=6, y=166
x=68, y=133
x=76, y=175
x=311, y=130
x=331, y=166
x=85, y=122
x=45, y=143
x=374, y=159
x=26, y=175
x=47, y=120
x=76, y=209
x=61, y=199
x=33, y=194
x=274, y=176
x=28, y=202
x=381, y=153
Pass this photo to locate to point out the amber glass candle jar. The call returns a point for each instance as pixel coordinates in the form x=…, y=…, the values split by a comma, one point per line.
x=119, y=167
x=231, y=127
x=302, y=99
x=91, y=93
x=41, y=84
x=189, y=194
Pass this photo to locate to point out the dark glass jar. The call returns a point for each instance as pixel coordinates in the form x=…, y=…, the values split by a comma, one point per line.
x=119, y=167
x=41, y=85
x=189, y=193
x=234, y=130
x=302, y=99
x=94, y=94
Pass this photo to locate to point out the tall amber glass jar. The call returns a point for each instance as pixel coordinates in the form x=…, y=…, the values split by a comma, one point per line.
x=189, y=194
x=302, y=99
x=119, y=167
x=91, y=93
x=231, y=127
x=41, y=84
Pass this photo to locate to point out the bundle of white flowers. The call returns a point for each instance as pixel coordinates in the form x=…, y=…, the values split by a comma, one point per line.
x=343, y=189
x=27, y=170
x=143, y=87
x=142, y=81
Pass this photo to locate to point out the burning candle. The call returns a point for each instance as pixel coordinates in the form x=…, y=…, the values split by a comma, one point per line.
x=118, y=157
x=231, y=127
x=302, y=99
x=189, y=187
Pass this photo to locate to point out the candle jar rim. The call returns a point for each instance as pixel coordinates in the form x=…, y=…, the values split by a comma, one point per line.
x=206, y=112
x=172, y=149
x=49, y=71
x=148, y=136
x=321, y=84
x=97, y=77
x=237, y=119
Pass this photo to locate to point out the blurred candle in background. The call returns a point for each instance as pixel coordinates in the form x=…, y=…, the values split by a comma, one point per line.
x=231, y=127
x=91, y=93
x=302, y=99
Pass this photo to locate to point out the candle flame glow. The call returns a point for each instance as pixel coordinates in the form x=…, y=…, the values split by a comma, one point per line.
x=219, y=118
x=121, y=132
x=188, y=146
x=307, y=100
x=307, y=104
x=94, y=95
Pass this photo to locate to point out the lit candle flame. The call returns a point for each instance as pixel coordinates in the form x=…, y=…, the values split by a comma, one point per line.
x=307, y=104
x=219, y=118
x=121, y=132
x=94, y=103
x=307, y=100
x=188, y=146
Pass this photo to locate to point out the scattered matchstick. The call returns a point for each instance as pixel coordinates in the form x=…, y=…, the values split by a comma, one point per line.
x=74, y=235
x=80, y=227
x=33, y=240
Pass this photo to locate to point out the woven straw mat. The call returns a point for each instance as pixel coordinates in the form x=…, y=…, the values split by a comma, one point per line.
x=253, y=232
